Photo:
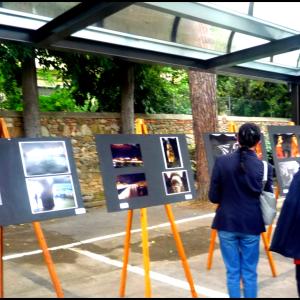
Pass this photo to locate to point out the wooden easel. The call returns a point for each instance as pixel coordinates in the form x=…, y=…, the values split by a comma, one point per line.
x=277, y=193
x=142, y=129
x=40, y=237
x=265, y=235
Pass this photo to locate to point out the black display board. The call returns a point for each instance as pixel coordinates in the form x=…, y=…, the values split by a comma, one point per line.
x=38, y=180
x=284, y=141
x=222, y=143
x=140, y=171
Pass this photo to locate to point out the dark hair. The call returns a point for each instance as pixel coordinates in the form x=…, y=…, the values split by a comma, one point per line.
x=248, y=136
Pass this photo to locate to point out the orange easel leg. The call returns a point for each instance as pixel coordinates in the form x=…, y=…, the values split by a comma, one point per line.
x=126, y=253
x=213, y=236
x=146, y=256
x=269, y=232
x=269, y=254
x=180, y=250
x=48, y=259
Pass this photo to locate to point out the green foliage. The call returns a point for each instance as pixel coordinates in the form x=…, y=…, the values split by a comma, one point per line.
x=244, y=97
x=161, y=90
x=60, y=100
x=88, y=77
x=92, y=83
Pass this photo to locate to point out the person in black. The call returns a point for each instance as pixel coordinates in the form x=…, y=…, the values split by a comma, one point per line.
x=236, y=185
x=286, y=238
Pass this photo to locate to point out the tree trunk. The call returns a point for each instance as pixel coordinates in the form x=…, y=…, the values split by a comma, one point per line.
x=127, y=94
x=203, y=95
x=31, y=113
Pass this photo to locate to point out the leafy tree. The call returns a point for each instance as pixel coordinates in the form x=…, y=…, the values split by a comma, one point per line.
x=246, y=97
x=92, y=83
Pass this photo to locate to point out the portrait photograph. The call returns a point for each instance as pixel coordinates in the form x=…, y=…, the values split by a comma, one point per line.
x=44, y=158
x=286, y=145
x=171, y=152
x=126, y=155
x=51, y=193
x=287, y=171
x=131, y=186
x=176, y=182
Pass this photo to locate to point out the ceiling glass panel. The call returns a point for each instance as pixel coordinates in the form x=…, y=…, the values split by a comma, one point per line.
x=45, y=9
x=201, y=35
x=282, y=13
x=158, y=29
x=244, y=41
x=290, y=59
x=241, y=7
x=141, y=21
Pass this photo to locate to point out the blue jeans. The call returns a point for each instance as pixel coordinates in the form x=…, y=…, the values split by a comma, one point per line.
x=240, y=254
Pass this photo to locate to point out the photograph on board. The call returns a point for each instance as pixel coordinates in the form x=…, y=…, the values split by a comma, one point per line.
x=223, y=143
x=286, y=145
x=176, y=182
x=131, y=186
x=44, y=158
x=171, y=152
x=287, y=171
x=126, y=155
x=51, y=193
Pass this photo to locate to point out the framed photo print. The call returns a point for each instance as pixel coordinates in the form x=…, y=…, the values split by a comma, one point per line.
x=126, y=155
x=140, y=171
x=171, y=152
x=223, y=143
x=41, y=180
x=176, y=182
x=284, y=142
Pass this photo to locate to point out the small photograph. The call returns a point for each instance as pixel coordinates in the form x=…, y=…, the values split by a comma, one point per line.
x=132, y=185
x=126, y=155
x=287, y=171
x=171, y=151
x=44, y=158
x=51, y=193
x=176, y=182
x=223, y=143
x=286, y=145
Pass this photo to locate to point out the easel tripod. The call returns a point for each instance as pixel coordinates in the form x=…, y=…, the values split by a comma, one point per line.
x=40, y=237
x=142, y=129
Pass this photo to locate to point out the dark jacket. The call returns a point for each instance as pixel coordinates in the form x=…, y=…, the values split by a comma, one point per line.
x=286, y=239
x=237, y=193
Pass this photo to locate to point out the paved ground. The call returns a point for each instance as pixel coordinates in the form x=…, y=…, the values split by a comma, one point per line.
x=87, y=251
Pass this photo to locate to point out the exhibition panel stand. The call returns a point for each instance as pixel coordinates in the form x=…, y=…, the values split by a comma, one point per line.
x=39, y=235
x=142, y=129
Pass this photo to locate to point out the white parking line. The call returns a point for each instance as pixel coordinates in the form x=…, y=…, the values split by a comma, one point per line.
x=202, y=291
x=106, y=237
x=154, y=275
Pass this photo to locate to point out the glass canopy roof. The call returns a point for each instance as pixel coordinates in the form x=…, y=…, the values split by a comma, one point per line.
x=255, y=39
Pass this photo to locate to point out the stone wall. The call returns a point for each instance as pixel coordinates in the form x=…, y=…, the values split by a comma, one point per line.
x=81, y=128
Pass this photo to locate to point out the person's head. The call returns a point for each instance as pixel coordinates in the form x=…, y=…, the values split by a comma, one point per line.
x=249, y=135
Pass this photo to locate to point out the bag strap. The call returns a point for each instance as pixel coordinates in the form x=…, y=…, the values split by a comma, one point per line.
x=265, y=177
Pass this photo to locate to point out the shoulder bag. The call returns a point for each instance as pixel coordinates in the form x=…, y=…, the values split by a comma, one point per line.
x=267, y=200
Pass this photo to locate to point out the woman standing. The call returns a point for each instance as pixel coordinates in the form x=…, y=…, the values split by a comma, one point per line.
x=286, y=239
x=236, y=185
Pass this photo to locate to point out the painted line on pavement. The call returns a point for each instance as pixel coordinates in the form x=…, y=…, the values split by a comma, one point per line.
x=106, y=237
x=202, y=291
